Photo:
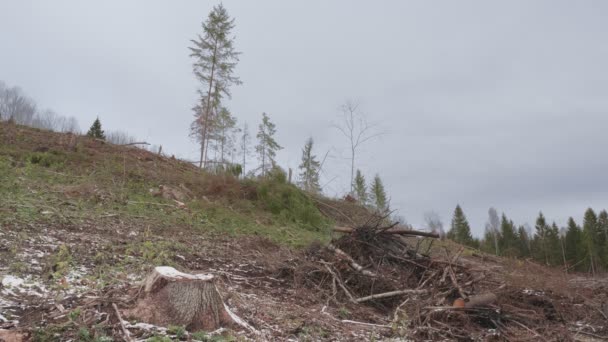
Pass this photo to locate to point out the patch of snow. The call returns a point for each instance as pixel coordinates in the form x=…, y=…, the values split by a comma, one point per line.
x=171, y=272
x=533, y=292
x=12, y=281
x=144, y=326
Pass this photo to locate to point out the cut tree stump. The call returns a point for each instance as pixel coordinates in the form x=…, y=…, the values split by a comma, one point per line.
x=169, y=297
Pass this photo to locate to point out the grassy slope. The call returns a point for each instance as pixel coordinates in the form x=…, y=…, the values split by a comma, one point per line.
x=46, y=177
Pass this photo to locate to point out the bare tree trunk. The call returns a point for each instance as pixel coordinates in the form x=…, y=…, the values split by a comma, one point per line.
x=563, y=254
x=244, y=161
x=352, y=170
x=263, y=162
x=207, y=109
x=200, y=164
x=170, y=297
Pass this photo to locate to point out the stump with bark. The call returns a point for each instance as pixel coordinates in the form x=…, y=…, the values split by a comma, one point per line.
x=170, y=297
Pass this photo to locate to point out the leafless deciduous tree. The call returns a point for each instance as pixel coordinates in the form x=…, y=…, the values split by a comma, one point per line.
x=493, y=226
x=119, y=138
x=244, y=147
x=357, y=130
x=433, y=223
x=68, y=125
x=16, y=105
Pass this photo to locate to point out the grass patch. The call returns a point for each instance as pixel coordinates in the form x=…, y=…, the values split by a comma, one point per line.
x=46, y=182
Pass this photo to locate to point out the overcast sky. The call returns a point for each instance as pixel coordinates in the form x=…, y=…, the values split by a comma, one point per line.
x=485, y=103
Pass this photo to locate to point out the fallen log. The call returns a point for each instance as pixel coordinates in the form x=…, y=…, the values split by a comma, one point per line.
x=398, y=231
x=482, y=299
x=135, y=143
x=169, y=297
x=475, y=301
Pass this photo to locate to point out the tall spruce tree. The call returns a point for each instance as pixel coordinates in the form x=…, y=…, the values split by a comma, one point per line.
x=574, y=245
x=540, y=248
x=95, y=131
x=309, y=169
x=378, y=194
x=508, y=237
x=460, y=230
x=267, y=147
x=220, y=137
x=602, y=230
x=554, y=247
x=590, y=233
x=487, y=244
x=523, y=244
x=361, y=188
x=214, y=61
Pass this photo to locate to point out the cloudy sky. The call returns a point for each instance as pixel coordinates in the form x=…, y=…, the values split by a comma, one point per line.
x=484, y=103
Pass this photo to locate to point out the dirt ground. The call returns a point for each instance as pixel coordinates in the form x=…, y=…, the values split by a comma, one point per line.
x=58, y=283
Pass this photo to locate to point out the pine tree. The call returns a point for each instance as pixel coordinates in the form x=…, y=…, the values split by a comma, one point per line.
x=540, y=250
x=487, y=244
x=95, y=131
x=361, y=188
x=508, y=237
x=309, y=169
x=214, y=63
x=590, y=233
x=602, y=230
x=378, y=194
x=523, y=244
x=267, y=147
x=554, y=247
x=574, y=245
x=223, y=124
x=460, y=230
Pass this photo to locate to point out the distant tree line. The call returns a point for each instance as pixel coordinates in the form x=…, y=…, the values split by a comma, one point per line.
x=17, y=107
x=574, y=247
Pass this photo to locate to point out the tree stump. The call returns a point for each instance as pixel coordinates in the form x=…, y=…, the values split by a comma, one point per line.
x=170, y=297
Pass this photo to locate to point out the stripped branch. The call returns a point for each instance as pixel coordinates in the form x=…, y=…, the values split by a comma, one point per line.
x=351, y=261
x=398, y=231
x=390, y=294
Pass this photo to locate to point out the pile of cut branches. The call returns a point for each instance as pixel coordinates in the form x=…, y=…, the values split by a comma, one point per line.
x=382, y=266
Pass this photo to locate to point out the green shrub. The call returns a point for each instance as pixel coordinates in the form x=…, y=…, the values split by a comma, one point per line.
x=46, y=159
x=200, y=336
x=84, y=335
x=178, y=331
x=290, y=204
x=61, y=262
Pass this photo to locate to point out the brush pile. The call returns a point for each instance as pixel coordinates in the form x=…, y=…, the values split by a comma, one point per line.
x=388, y=269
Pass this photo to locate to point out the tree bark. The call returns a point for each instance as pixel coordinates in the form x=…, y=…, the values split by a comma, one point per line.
x=170, y=297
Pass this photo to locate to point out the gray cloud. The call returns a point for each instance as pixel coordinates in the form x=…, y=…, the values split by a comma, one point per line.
x=486, y=103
